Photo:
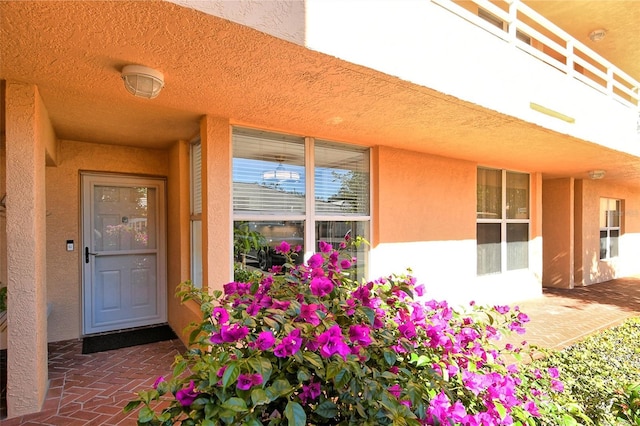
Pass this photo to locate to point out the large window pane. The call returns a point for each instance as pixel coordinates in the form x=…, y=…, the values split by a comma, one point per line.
x=268, y=173
x=489, y=195
x=341, y=180
x=614, y=234
x=254, y=242
x=517, y=195
x=489, y=253
x=517, y=246
x=335, y=232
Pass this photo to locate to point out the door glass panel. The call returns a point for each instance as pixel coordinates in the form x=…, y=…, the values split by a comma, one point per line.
x=124, y=218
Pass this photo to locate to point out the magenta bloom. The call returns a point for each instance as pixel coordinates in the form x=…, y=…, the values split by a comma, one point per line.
x=310, y=392
x=557, y=385
x=332, y=342
x=325, y=247
x=501, y=309
x=321, y=286
x=553, y=372
x=360, y=334
x=220, y=315
x=308, y=313
x=158, y=381
x=315, y=261
x=187, y=395
x=345, y=264
x=395, y=390
x=408, y=330
x=265, y=340
x=233, y=333
x=283, y=247
x=289, y=345
x=246, y=381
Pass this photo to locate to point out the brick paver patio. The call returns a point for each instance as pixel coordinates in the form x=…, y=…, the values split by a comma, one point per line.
x=92, y=389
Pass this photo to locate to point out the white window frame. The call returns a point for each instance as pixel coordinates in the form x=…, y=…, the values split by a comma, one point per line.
x=608, y=227
x=309, y=218
x=504, y=221
x=195, y=211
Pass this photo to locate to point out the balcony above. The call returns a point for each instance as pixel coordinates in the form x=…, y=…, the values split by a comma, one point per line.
x=500, y=55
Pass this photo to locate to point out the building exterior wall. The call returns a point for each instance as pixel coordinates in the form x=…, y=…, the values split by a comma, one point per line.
x=64, y=221
x=592, y=268
x=558, y=225
x=424, y=218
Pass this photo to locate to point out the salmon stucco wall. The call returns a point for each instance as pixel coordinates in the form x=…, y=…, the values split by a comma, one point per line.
x=424, y=219
x=178, y=240
x=64, y=221
x=594, y=270
x=558, y=228
x=3, y=222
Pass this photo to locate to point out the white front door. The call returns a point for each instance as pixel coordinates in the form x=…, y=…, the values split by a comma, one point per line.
x=123, y=252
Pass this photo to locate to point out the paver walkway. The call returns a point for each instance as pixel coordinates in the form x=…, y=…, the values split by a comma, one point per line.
x=92, y=389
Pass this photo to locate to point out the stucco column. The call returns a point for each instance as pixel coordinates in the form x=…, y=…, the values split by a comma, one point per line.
x=217, y=199
x=27, y=127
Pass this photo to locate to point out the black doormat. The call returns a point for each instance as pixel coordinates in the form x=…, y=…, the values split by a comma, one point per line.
x=126, y=338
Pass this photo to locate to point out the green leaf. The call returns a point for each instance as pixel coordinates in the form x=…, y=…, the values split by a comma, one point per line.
x=278, y=389
x=390, y=357
x=370, y=313
x=327, y=409
x=230, y=374
x=145, y=415
x=295, y=414
x=131, y=406
x=259, y=397
x=314, y=359
x=235, y=404
x=261, y=366
x=208, y=422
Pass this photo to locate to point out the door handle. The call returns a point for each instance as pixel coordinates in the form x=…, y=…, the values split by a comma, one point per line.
x=86, y=254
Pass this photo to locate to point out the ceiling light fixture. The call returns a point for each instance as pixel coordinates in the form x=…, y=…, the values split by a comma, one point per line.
x=142, y=81
x=597, y=35
x=281, y=174
x=596, y=174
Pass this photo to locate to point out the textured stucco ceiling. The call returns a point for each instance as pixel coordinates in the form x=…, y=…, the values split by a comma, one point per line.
x=74, y=51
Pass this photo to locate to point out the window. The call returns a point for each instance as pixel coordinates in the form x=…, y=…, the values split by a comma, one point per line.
x=609, y=227
x=502, y=221
x=298, y=190
x=195, y=183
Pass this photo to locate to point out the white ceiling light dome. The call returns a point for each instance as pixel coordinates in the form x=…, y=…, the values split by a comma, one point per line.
x=142, y=81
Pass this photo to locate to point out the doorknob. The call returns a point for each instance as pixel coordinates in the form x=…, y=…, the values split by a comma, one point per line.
x=86, y=254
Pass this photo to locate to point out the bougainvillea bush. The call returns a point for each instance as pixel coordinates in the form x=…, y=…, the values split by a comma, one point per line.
x=309, y=346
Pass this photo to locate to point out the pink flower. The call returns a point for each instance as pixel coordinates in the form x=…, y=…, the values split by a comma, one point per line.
x=332, y=342
x=321, y=286
x=158, y=381
x=310, y=392
x=395, y=390
x=289, y=345
x=220, y=315
x=345, y=264
x=360, y=334
x=407, y=330
x=187, y=395
x=283, y=248
x=315, y=261
x=325, y=247
x=246, y=381
x=265, y=340
x=308, y=313
x=557, y=385
x=553, y=372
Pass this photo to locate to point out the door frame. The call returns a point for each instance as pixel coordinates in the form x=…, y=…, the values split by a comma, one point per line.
x=87, y=182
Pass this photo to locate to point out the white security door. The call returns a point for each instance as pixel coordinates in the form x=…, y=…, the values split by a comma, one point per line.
x=123, y=258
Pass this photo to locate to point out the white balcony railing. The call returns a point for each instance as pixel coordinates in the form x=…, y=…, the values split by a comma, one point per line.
x=525, y=29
